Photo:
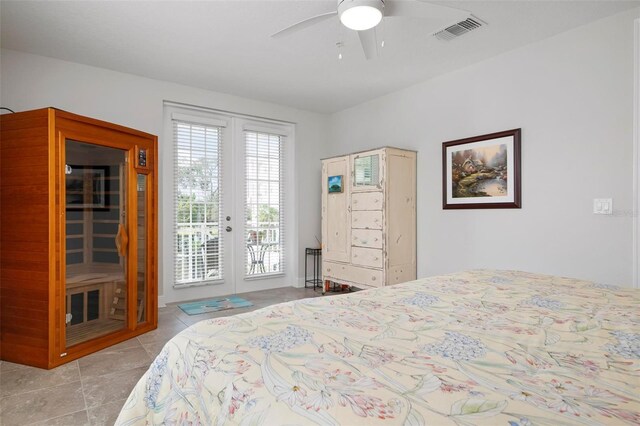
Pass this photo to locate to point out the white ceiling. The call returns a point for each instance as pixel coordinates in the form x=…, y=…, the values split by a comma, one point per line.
x=225, y=45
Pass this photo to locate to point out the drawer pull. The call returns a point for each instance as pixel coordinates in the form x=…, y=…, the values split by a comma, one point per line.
x=355, y=201
x=373, y=278
x=355, y=255
x=328, y=269
x=375, y=239
x=375, y=258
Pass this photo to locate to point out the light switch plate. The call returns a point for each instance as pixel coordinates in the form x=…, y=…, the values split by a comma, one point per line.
x=602, y=206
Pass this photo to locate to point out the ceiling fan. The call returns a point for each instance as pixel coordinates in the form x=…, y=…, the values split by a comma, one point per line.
x=364, y=15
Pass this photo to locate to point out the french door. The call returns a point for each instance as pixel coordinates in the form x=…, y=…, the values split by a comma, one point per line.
x=228, y=203
x=202, y=201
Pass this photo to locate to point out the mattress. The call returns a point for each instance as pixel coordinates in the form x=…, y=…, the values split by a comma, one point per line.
x=479, y=347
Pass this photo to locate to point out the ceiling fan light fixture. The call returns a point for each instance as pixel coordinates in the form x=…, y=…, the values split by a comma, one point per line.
x=360, y=15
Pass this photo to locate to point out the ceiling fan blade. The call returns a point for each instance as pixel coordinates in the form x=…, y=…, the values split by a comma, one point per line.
x=369, y=43
x=304, y=24
x=422, y=9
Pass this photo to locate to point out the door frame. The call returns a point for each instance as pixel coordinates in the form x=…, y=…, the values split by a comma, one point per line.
x=636, y=155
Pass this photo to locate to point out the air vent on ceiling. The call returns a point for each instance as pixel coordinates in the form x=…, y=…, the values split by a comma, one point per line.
x=461, y=28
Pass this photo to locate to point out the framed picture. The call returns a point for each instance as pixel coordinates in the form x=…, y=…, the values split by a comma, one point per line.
x=482, y=172
x=86, y=187
x=335, y=184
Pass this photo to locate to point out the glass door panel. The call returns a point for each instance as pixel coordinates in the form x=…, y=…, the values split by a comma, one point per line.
x=199, y=226
x=96, y=240
x=141, y=276
x=366, y=170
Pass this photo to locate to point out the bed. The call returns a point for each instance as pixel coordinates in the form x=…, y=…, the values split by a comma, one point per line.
x=481, y=347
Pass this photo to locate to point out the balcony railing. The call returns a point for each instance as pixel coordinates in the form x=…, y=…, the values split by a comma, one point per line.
x=198, y=256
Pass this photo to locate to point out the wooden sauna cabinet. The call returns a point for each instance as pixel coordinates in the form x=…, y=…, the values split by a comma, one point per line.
x=78, y=236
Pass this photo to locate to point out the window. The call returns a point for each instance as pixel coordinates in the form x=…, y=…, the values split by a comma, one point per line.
x=264, y=224
x=197, y=202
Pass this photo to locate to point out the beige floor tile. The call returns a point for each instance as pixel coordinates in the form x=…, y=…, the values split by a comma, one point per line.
x=27, y=379
x=170, y=308
x=79, y=418
x=105, y=415
x=113, y=360
x=115, y=386
x=6, y=366
x=170, y=321
x=162, y=334
x=131, y=343
x=153, y=349
x=42, y=404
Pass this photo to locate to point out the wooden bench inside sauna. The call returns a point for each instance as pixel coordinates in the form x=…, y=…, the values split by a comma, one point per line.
x=96, y=302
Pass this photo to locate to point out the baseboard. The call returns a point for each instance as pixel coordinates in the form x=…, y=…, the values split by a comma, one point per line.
x=161, y=302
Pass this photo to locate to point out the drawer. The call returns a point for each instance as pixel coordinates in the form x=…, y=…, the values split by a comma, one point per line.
x=366, y=219
x=371, y=238
x=353, y=274
x=366, y=257
x=367, y=201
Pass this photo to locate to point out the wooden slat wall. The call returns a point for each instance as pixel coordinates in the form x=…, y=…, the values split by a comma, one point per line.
x=24, y=238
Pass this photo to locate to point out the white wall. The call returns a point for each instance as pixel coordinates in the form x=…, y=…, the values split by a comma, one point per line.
x=572, y=95
x=30, y=82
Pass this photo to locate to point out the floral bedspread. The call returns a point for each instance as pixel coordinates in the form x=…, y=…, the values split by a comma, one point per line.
x=481, y=347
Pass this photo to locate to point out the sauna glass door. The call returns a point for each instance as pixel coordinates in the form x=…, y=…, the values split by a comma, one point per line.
x=96, y=240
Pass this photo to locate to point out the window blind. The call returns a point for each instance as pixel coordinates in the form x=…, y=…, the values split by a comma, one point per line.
x=366, y=170
x=197, y=202
x=264, y=203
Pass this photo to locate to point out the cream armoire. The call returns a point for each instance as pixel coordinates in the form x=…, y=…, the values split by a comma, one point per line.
x=369, y=218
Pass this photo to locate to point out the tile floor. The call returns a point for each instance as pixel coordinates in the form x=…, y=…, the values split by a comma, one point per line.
x=91, y=390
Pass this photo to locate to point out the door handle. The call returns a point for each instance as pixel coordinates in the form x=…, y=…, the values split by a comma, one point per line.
x=122, y=239
x=228, y=229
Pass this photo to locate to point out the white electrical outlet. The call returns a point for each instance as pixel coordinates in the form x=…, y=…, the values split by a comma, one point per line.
x=603, y=206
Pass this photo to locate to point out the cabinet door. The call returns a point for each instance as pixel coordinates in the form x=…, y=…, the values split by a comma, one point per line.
x=336, y=210
x=401, y=216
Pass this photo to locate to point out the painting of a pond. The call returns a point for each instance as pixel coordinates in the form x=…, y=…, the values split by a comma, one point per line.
x=479, y=172
x=335, y=184
x=482, y=171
